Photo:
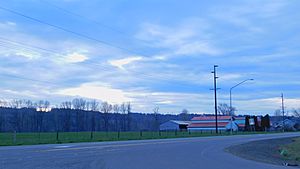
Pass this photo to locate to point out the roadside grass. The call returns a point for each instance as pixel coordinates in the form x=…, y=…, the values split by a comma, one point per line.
x=291, y=151
x=10, y=139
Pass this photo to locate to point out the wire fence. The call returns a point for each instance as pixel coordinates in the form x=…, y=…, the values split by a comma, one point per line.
x=15, y=138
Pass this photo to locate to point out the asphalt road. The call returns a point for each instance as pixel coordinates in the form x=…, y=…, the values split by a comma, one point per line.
x=185, y=153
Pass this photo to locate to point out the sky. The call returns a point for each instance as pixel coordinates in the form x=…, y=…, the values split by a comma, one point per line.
x=152, y=53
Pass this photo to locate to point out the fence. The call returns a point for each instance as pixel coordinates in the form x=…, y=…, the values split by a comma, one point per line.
x=71, y=137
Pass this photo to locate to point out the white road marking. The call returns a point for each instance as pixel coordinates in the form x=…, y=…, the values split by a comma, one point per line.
x=119, y=145
x=62, y=146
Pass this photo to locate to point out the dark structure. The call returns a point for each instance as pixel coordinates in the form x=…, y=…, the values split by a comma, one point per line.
x=257, y=123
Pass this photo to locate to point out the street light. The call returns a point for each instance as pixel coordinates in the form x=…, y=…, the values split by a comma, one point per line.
x=232, y=89
x=231, y=99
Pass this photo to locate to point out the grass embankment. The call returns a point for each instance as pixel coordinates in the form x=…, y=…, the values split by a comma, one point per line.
x=291, y=151
x=8, y=139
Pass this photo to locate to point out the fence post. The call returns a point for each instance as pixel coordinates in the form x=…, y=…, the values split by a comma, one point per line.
x=159, y=133
x=211, y=132
x=39, y=136
x=141, y=133
x=118, y=134
x=56, y=136
x=92, y=135
x=175, y=132
x=15, y=137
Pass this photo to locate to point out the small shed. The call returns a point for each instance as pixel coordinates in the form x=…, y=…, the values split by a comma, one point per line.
x=174, y=125
x=232, y=125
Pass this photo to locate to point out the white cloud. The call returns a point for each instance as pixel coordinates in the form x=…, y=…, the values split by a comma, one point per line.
x=247, y=14
x=196, y=48
x=97, y=91
x=120, y=63
x=230, y=76
x=160, y=57
x=189, y=38
x=28, y=55
x=26, y=93
x=165, y=102
x=7, y=25
x=75, y=57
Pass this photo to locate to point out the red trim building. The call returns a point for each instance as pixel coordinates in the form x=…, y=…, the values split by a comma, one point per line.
x=209, y=123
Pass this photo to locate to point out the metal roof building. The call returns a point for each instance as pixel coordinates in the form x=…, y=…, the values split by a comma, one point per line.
x=209, y=123
x=174, y=125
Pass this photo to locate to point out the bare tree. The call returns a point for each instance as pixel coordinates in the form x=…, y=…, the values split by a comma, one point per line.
x=94, y=105
x=40, y=114
x=106, y=109
x=123, y=110
x=128, y=119
x=2, y=121
x=296, y=112
x=278, y=112
x=79, y=105
x=29, y=104
x=15, y=103
x=66, y=105
x=156, y=118
x=4, y=103
x=224, y=109
x=116, y=109
x=184, y=115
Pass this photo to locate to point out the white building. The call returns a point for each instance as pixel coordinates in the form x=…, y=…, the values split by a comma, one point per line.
x=174, y=125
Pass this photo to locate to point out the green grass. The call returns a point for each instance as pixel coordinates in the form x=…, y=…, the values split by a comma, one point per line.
x=8, y=139
x=292, y=151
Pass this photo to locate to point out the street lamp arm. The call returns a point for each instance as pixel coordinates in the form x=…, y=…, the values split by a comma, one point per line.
x=235, y=87
x=240, y=83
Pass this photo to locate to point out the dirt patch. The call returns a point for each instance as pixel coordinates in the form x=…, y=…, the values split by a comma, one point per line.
x=267, y=151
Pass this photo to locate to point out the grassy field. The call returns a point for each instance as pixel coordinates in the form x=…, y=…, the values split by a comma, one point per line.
x=8, y=139
x=292, y=151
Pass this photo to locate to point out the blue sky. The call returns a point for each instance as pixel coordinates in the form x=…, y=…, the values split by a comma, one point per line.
x=159, y=53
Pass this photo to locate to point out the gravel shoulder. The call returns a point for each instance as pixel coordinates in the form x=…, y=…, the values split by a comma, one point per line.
x=267, y=151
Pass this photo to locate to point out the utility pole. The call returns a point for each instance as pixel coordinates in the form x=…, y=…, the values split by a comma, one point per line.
x=215, y=90
x=282, y=107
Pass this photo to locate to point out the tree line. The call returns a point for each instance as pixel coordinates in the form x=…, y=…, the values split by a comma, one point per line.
x=79, y=115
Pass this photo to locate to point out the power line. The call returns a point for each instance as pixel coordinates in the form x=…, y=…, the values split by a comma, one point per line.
x=66, y=30
x=69, y=31
x=71, y=13
x=74, y=33
x=99, y=66
x=81, y=16
x=4, y=41
x=28, y=79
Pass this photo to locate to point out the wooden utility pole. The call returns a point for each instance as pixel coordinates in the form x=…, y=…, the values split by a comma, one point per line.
x=215, y=90
x=283, y=112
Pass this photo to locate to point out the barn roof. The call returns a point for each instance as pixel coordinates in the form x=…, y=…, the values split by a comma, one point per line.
x=208, y=124
x=181, y=122
x=203, y=118
x=239, y=118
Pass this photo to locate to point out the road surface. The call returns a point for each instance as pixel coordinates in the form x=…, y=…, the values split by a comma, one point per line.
x=184, y=153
